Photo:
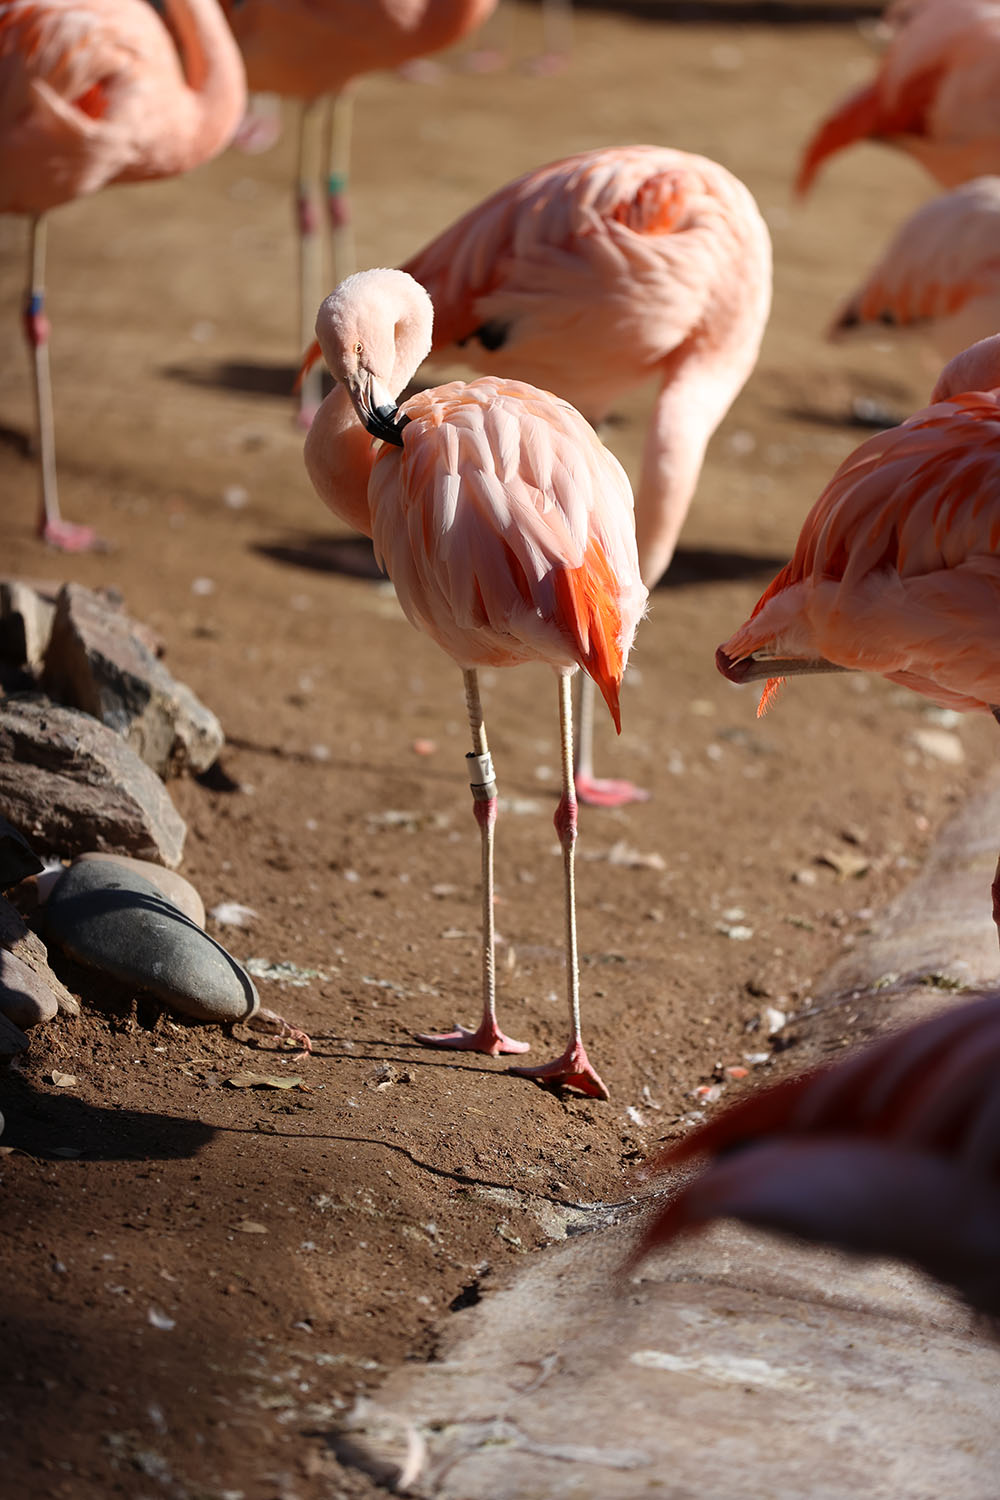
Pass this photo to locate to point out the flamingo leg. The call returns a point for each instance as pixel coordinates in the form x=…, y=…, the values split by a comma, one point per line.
x=573, y=1068
x=51, y=526
x=557, y=37
x=260, y=128
x=591, y=790
x=310, y=250
x=487, y=1037
x=338, y=166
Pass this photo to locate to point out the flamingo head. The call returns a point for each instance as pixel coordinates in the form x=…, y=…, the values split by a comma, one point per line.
x=374, y=330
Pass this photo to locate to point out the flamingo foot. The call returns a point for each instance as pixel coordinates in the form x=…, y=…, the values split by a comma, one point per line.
x=274, y=1025
x=594, y=791
x=571, y=1071
x=484, y=60
x=420, y=70
x=66, y=536
x=486, y=1038
x=547, y=65
x=258, y=131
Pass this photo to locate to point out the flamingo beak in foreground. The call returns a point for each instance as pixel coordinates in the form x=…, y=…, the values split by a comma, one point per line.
x=752, y=668
x=376, y=409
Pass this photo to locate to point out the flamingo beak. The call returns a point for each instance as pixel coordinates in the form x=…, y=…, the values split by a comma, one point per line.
x=312, y=354
x=376, y=409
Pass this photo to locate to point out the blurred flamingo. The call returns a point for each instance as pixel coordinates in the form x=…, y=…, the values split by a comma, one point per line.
x=507, y=530
x=315, y=51
x=936, y=94
x=940, y=275
x=94, y=92
x=894, y=1151
x=593, y=275
x=897, y=571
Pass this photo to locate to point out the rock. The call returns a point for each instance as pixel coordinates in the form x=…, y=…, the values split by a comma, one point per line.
x=101, y=661
x=111, y=918
x=176, y=889
x=72, y=785
x=17, y=939
x=25, y=998
x=26, y=616
x=12, y=1038
x=17, y=858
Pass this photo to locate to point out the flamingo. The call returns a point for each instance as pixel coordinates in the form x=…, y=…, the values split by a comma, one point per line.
x=939, y=274
x=507, y=529
x=593, y=275
x=93, y=92
x=936, y=94
x=315, y=51
x=896, y=571
x=894, y=1151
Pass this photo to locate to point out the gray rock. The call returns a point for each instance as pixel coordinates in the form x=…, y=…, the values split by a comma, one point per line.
x=17, y=858
x=25, y=998
x=176, y=889
x=26, y=616
x=72, y=785
x=100, y=660
x=17, y=939
x=111, y=918
x=12, y=1038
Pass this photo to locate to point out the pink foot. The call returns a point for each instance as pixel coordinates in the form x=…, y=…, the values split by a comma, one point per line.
x=484, y=60
x=572, y=1071
x=592, y=791
x=420, y=70
x=66, y=536
x=274, y=1025
x=486, y=1038
x=547, y=65
x=306, y=415
x=258, y=132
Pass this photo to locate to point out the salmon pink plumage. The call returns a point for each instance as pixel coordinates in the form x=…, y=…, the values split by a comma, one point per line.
x=507, y=529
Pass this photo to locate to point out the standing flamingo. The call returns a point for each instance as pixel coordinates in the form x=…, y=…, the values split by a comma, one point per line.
x=507, y=530
x=894, y=1151
x=940, y=274
x=93, y=92
x=897, y=571
x=315, y=51
x=593, y=275
x=936, y=94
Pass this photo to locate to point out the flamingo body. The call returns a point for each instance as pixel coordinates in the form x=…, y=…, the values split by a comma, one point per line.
x=897, y=567
x=593, y=275
x=303, y=50
x=940, y=273
x=94, y=92
x=895, y=1151
x=507, y=529
x=936, y=94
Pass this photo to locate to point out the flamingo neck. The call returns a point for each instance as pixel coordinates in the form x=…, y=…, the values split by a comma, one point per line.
x=690, y=406
x=214, y=80
x=339, y=457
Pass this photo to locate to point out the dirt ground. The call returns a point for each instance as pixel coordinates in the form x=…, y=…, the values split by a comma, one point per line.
x=200, y=1279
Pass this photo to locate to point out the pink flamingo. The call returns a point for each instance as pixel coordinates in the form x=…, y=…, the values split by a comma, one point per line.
x=894, y=1151
x=592, y=276
x=507, y=530
x=940, y=273
x=315, y=51
x=93, y=92
x=897, y=571
x=936, y=94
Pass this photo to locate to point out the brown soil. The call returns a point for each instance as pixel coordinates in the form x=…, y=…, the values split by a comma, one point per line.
x=202, y=1278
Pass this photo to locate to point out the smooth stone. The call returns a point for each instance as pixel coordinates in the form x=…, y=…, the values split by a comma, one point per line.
x=176, y=889
x=17, y=858
x=110, y=918
x=25, y=998
x=17, y=938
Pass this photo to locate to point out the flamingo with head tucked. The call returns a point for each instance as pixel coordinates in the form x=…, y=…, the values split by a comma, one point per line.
x=508, y=531
x=592, y=276
x=94, y=92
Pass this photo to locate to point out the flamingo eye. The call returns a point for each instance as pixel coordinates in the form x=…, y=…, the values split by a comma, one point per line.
x=359, y=347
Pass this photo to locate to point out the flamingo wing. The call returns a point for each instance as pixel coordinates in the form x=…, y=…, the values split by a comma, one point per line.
x=507, y=530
